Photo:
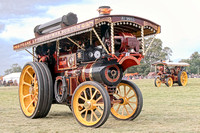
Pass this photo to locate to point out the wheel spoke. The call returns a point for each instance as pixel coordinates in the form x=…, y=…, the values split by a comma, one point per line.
x=122, y=111
x=94, y=94
x=28, y=84
x=119, y=91
x=124, y=90
x=99, y=98
x=86, y=114
x=98, y=104
x=131, y=106
x=132, y=102
x=128, y=91
x=30, y=104
x=131, y=96
x=126, y=109
x=90, y=93
x=91, y=118
x=118, y=108
x=95, y=115
x=100, y=111
x=85, y=94
x=81, y=105
x=83, y=111
x=82, y=98
x=36, y=98
x=27, y=95
x=29, y=74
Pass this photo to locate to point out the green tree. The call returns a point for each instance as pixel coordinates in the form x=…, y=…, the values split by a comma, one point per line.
x=14, y=68
x=194, y=62
x=156, y=52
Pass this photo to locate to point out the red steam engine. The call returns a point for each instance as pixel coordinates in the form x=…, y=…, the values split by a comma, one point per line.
x=81, y=65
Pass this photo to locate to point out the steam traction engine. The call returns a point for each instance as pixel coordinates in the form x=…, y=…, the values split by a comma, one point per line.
x=170, y=73
x=81, y=65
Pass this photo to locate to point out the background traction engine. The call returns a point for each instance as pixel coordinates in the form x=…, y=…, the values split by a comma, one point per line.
x=81, y=65
x=170, y=73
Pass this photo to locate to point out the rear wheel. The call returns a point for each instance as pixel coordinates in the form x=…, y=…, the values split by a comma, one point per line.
x=131, y=98
x=35, y=92
x=169, y=82
x=157, y=82
x=91, y=104
x=182, y=78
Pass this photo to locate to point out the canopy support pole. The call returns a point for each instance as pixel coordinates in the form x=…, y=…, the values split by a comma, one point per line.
x=100, y=40
x=31, y=54
x=75, y=43
x=150, y=44
x=142, y=41
x=112, y=40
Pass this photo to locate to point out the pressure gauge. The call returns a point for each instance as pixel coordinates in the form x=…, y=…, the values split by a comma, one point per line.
x=70, y=61
x=97, y=54
x=90, y=54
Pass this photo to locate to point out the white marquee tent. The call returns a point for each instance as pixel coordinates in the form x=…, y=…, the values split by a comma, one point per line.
x=12, y=76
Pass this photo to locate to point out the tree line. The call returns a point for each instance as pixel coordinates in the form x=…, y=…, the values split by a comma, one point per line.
x=155, y=53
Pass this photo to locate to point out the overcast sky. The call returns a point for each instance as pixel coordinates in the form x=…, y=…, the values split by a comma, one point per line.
x=179, y=20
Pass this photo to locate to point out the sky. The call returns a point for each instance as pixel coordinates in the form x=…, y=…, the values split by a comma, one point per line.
x=179, y=20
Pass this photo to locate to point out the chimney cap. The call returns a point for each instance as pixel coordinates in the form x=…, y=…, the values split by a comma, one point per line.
x=104, y=10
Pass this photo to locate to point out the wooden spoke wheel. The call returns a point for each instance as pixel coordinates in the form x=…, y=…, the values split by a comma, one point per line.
x=157, y=82
x=131, y=101
x=35, y=90
x=169, y=82
x=182, y=78
x=91, y=104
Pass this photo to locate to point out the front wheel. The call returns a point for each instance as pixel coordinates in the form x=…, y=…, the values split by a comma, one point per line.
x=157, y=82
x=91, y=104
x=131, y=98
x=182, y=78
x=169, y=82
x=35, y=90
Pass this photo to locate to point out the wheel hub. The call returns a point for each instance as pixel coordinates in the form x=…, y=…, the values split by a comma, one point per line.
x=89, y=105
x=31, y=90
x=124, y=100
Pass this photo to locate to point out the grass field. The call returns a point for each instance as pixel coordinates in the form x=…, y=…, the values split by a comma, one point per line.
x=175, y=109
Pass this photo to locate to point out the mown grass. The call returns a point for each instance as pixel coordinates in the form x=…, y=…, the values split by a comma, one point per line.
x=175, y=109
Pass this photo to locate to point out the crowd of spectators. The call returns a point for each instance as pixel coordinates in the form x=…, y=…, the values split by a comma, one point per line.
x=9, y=83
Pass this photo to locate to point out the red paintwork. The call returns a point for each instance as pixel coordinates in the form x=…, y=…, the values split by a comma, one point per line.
x=129, y=61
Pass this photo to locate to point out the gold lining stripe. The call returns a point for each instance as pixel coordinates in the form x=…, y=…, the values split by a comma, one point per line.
x=90, y=73
x=83, y=73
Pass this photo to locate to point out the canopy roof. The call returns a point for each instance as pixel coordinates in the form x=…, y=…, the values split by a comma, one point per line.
x=12, y=76
x=171, y=64
x=122, y=23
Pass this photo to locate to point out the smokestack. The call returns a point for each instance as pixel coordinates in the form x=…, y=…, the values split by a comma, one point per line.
x=104, y=10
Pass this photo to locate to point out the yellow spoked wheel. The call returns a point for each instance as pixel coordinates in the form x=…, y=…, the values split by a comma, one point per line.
x=169, y=82
x=32, y=88
x=131, y=101
x=182, y=78
x=157, y=82
x=91, y=104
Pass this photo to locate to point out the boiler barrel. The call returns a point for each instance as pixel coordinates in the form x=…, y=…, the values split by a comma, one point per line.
x=56, y=24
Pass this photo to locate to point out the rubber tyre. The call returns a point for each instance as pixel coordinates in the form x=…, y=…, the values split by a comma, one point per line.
x=88, y=101
x=182, y=78
x=133, y=94
x=48, y=89
x=34, y=91
x=157, y=82
x=169, y=82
